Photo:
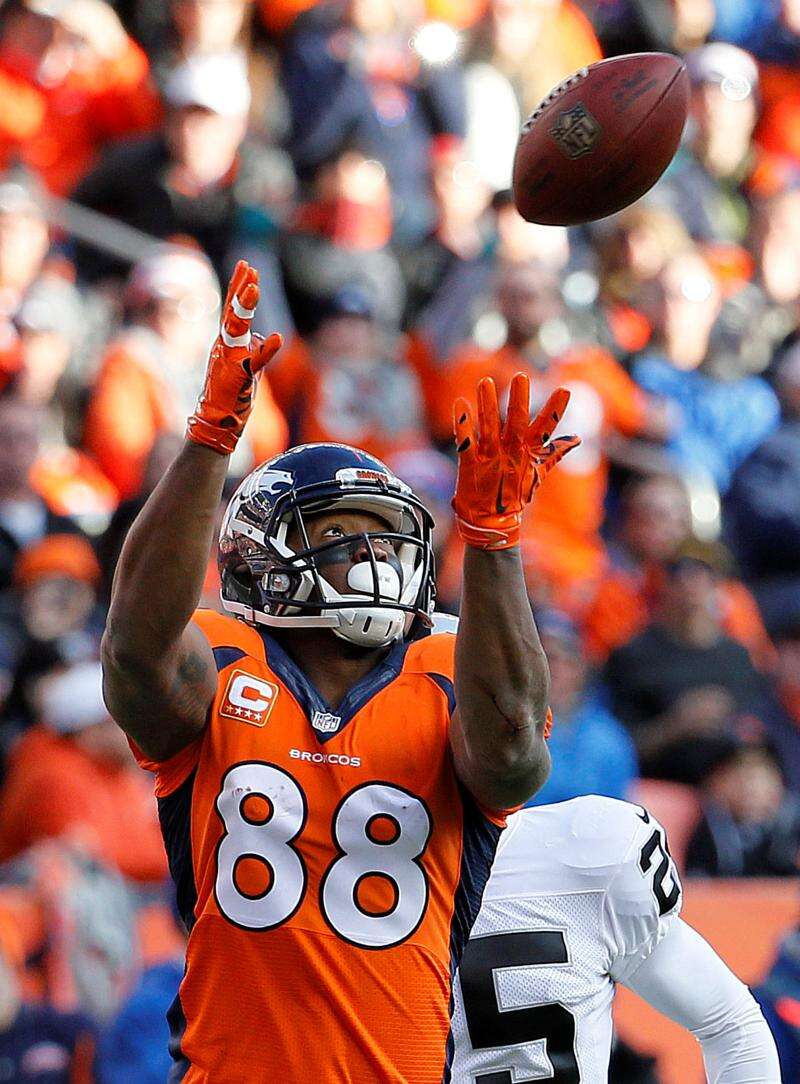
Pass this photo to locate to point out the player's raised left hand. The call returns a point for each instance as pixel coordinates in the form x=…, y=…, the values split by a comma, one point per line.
x=237, y=356
x=500, y=466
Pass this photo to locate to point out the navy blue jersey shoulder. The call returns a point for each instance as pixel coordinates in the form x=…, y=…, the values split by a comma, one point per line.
x=175, y=817
x=224, y=656
x=480, y=839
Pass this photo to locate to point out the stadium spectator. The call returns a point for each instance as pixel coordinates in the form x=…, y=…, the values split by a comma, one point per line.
x=198, y=176
x=24, y=248
x=630, y=26
x=73, y=777
x=775, y=244
x=763, y=508
x=681, y=683
x=350, y=382
x=39, y=1042
x=535, y=44
x=768, y=29
x=631, y=252
x=719, y=417
x=195, y=27
x=25, y=516
x=751, y=823
x=71, y=82
x=74, y=927
x=592, y=752
x=135, y=1044
x=341, y=236
x=705, y=183
x=653, y=522
x=520, y=242
x=51, y=336
x=181, y=29
x=148, y=378
x=517, y=51
x=56, y=618
x=49, y=324
x=780, y=713
x=57, y=580
x=563, y=549
x=449, y=273
x=24, y=238
x=352, y=81
x=779, y=998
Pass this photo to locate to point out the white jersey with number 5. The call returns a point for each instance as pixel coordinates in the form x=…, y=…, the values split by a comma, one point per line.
x=580, y=894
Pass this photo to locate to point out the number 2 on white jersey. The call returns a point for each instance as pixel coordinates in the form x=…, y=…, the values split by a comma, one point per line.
x=271, y=842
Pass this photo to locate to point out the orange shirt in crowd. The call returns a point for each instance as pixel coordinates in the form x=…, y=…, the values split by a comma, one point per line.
x=278, y=15
x=132, y=404
x=567, y=41
x=561, y=542
x=778, y=130
x=626, y=601
x=378, y=407
x=71, y=484
x=57, y=130
x=53, y=789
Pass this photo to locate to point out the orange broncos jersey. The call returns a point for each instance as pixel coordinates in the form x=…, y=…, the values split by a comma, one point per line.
x=329, y=866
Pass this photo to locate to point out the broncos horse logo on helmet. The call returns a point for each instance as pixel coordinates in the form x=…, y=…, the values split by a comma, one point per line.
x=267, y=581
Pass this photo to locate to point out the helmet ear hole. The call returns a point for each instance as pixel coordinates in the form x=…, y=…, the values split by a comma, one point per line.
x=280, y=581
x=242, y=576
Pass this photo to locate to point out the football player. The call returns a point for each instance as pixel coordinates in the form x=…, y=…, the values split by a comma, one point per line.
x=330, y=816
x=582, y=895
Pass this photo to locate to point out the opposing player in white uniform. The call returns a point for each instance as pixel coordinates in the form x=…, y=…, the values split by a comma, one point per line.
x=582, y=895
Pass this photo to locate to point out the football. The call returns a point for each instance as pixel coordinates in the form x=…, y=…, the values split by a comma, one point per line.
x=600, y=139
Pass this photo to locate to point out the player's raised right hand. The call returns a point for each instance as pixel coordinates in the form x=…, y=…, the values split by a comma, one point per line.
x=237, y=356
x=500, y=466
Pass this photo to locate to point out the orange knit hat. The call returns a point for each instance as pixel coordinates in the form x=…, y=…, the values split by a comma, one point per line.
x=67, y=555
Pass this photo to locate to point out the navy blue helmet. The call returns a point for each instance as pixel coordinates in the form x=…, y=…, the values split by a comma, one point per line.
x=272, y=575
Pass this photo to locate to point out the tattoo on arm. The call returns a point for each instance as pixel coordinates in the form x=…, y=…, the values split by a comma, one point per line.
x=191, y=671
x=191, y=676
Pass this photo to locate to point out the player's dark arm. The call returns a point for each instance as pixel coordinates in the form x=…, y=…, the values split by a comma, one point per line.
x=502, y=683
x=159, y=673
x=501, y=677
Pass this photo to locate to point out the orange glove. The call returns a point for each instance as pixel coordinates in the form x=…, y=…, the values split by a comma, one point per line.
x=236, y=357
x=499, y=470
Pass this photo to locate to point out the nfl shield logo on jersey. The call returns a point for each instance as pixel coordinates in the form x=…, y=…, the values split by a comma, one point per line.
x=325, y=722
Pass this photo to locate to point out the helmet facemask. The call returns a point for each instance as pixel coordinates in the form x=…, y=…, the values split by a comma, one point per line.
x=283, y=583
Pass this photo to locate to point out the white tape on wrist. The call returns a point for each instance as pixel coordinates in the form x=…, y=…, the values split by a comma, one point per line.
x=235, y=340
x=240, y=311
x=490, y=534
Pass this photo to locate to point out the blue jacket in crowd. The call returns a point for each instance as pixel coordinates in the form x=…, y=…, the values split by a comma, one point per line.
x=721, y=422
x=592, y=754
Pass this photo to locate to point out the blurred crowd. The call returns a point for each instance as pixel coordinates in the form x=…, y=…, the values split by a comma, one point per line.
x=358, y=153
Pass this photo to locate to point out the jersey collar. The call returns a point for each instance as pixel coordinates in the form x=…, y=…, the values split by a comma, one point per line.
x=311, y=700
